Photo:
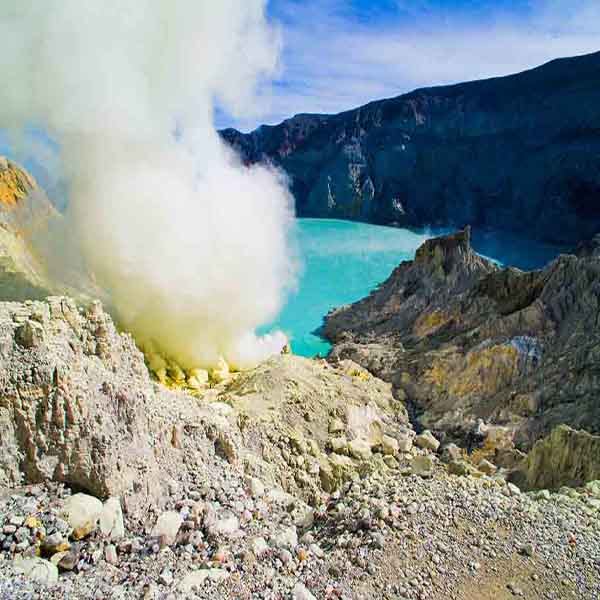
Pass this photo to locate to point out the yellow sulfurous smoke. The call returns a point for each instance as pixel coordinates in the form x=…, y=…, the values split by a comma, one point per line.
x=188, y=246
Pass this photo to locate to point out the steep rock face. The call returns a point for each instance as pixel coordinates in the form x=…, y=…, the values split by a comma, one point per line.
x=520, y=153
x=565, y=457
x=466, y=341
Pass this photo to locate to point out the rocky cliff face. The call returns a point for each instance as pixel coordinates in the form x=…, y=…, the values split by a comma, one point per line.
x=469, y=343
x=520, y=153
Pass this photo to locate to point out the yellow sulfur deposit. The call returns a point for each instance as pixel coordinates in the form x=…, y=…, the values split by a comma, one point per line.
x=197, y=378
x=220, y=372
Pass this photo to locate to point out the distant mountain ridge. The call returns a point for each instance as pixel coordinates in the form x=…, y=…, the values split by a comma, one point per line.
x=519, y=153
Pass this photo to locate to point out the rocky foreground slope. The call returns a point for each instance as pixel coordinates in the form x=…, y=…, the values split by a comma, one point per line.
x=298, y=479
x=519, y=153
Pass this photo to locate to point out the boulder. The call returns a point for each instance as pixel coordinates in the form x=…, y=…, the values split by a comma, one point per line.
x=427, y=441
x=82, y=513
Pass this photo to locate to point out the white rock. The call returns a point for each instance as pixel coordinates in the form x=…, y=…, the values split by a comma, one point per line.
x=301, y=593
x=365, y=422
x=287, y=539
x=226, y=526
x=110, y=554
x=197, y=578
x=256, y=487
x=111, y=520
x=82, y=513
x=258, y=546
x=167, y=526
x=37, y=569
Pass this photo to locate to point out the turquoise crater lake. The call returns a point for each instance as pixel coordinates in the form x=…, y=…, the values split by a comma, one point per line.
x=342, y=261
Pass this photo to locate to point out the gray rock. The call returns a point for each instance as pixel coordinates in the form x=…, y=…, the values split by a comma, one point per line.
x=38, y=570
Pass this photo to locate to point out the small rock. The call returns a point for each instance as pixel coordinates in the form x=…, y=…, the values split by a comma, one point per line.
x=166, y=577
x=56, y=543
x=226, y=526
x=167, y=527
x=258, y=546
x=30, y=334
x=451, y=452
x=359, y=449
x=527, y=549
x=486, y=467
x=336, y=426
x=110, y=554
x=512, y=489
x=405, y=442
x=111, y=520
x=300, y=592
x=197, y=578
x=256, y=487
x=287, y=539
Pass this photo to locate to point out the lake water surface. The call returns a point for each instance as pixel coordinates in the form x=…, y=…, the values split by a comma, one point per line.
x=342, y=261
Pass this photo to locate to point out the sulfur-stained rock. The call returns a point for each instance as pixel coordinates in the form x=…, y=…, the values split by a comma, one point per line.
x=491, y=356
x=486, y=467
x=565, y=457
x=427, y=441
x=390, y=445
x=422, y=465
x=359, y=449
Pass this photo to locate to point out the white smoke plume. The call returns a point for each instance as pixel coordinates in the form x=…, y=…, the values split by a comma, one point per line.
x=190, y=246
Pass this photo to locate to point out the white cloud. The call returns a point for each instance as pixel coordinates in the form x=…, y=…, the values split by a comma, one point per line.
x=334, y=62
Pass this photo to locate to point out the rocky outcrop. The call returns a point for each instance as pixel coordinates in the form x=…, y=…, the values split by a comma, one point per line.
x=564, y=458
x=24, y=210
x=78, y=406
x=468, y=343
x=519, y=153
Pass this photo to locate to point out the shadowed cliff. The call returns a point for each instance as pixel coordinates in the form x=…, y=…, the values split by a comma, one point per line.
x=519, y=153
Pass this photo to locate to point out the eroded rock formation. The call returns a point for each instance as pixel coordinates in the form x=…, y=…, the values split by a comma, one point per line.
x=466, y=342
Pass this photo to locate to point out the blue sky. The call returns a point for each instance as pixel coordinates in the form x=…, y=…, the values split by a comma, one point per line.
x=339, y=54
